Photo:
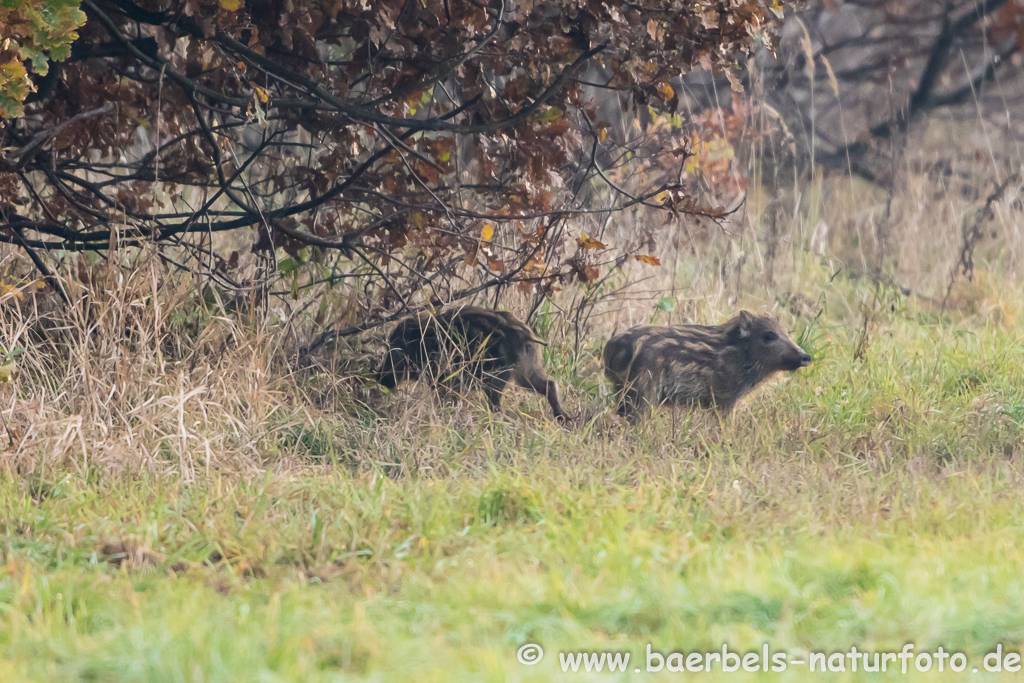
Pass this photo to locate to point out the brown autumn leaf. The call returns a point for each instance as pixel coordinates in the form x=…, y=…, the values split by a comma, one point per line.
x=649, y=259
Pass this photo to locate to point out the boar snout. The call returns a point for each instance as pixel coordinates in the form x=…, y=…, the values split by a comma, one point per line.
x=799, y=359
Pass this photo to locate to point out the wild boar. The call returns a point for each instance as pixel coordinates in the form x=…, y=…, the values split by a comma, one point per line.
x=702, y=365
x=465, y=346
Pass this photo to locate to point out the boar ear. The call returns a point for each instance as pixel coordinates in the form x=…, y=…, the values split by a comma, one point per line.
x=739, y=327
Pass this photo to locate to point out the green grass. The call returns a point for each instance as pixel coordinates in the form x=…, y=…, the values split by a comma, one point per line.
x=869, y=504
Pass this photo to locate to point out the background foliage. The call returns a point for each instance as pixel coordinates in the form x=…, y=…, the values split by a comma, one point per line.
x=412, y=152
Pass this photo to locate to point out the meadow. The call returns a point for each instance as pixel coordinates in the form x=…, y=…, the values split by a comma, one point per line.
x=871, y=500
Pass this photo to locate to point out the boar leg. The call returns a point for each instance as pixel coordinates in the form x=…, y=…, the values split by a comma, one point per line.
x=631, y=402
x=493, y=386
x=546, y=388
x=627, y=403
x=395, y=369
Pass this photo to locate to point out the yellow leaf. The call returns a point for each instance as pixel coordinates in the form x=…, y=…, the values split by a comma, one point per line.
x=12, y=290
x=534, y=265
x=487, y=232
x=14, y=70
x=5, y=372
x=231, y=5
x=585, y=241
x=260, y=92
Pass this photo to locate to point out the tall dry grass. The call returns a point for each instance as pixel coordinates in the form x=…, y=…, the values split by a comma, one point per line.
x=137, y=373
x=150, y=370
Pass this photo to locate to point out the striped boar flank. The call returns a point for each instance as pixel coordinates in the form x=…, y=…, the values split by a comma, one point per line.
x=702, y=365
x=468, y=346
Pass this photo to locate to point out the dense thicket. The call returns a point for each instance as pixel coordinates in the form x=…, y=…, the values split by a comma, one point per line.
x=412, y=150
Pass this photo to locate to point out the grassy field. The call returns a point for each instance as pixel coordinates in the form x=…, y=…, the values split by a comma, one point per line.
x=872, y=500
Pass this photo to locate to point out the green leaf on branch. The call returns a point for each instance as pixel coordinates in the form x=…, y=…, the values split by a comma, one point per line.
x=34, y=31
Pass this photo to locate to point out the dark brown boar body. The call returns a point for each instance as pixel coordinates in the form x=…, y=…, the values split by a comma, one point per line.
x=468, y=345
x=702, y=365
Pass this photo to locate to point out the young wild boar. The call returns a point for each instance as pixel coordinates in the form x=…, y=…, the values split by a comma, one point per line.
x=488, y=347
x=708, y=366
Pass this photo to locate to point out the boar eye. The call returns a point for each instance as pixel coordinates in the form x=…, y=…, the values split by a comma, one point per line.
x=770, y=336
